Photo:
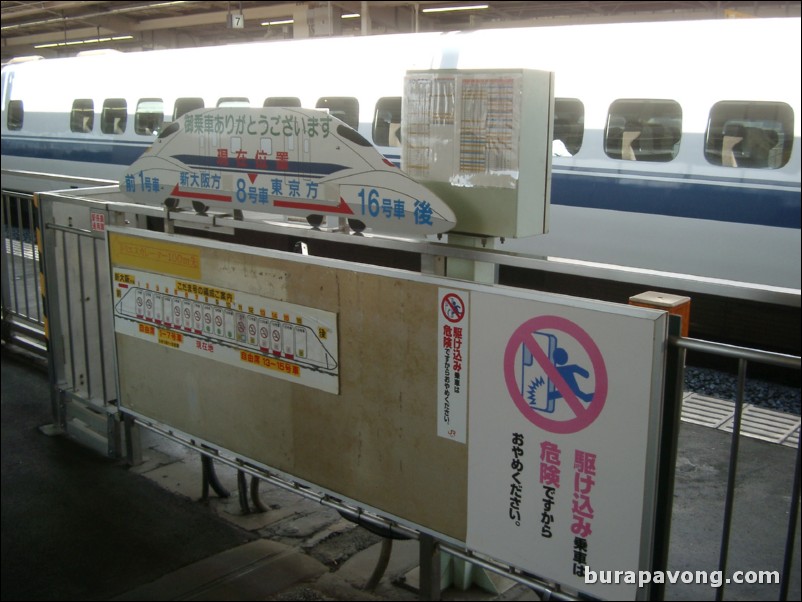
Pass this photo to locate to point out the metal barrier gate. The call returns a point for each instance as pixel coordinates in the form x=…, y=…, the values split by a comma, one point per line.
x=76, y=312
x=23, y=313
x=79, y=305
x=679, y=345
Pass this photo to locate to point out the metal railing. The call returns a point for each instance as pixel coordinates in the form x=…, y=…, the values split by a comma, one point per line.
x=24, y=321
x=743, y=355
x=23, y=312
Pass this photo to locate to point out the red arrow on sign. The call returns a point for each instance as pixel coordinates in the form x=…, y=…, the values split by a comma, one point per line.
x=342, y=208
x=200, y=195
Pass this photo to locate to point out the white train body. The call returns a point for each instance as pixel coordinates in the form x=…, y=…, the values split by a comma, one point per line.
x=687, y=200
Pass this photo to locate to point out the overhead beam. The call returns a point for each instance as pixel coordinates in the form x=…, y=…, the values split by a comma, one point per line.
x=83, y=33
x=118, y=23
x=251, y=15
x=127, y=25
x=37, y=8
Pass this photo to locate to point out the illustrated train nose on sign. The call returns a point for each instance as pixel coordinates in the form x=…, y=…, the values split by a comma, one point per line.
x=282, y=161
x=555, y=374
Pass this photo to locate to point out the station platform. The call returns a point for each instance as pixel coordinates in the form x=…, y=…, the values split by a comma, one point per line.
x=78, y=526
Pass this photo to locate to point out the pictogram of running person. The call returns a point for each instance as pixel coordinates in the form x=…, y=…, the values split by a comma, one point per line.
x=569, y=372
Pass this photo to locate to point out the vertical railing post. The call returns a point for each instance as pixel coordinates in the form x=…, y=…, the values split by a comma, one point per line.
x=791, y=536
x=6, y=285
x=669, y=437
x=429, y=568
x=731, y=475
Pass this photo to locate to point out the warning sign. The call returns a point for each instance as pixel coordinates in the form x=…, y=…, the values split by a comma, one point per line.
x=563, y=419
x=452, y=365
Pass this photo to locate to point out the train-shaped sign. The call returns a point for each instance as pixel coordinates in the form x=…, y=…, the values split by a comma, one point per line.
x=288, y=161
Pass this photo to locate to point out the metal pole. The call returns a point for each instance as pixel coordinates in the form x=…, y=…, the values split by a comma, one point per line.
x=6, y=290
x=672, y=412
x=99, y=312
x=429, y=568
x=82, y=287
x=730, y=497
x=789, y=541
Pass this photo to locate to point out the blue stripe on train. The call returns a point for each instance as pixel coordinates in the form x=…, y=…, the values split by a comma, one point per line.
x=81, y=151
x=676, y=196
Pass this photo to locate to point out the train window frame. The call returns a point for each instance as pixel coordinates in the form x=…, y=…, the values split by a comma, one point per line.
x=643, y=129
x=749, y=134
x=185, y=105
x=344, y=108
x=82, y=116
x=386, y=129
x=233, y=102
x=15, y=115
x=282, y=101
x=569, y=127
x=114, y=118
x=149, y=116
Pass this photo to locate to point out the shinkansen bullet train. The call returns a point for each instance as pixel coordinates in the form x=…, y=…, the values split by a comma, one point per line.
x=676, y=144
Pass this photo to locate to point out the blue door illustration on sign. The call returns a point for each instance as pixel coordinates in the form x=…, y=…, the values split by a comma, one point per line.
x=541, y=392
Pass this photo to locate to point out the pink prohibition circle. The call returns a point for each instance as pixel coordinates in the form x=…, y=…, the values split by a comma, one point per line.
x=523, y=335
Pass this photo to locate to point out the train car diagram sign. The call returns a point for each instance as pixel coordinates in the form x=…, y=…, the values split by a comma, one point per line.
x=282, y=340
x=563, y=417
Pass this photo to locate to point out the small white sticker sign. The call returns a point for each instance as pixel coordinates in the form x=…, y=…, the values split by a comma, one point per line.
x=452, y=365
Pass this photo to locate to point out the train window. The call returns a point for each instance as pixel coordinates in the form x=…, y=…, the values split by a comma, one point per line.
x=114, y=117
x=750, y=134
x=185, y=105
x=387, y=122
x=15, y=115
x=643, y=130
x=82, y=117
x=233, y=101
x=344, y=108
x=569, y=127
x=282, y=101
x=149, y=116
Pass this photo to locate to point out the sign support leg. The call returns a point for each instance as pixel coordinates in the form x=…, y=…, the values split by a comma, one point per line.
x=466, y=269
x=429, y=568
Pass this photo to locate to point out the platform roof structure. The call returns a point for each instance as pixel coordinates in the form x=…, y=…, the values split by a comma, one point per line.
x=51, y=29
